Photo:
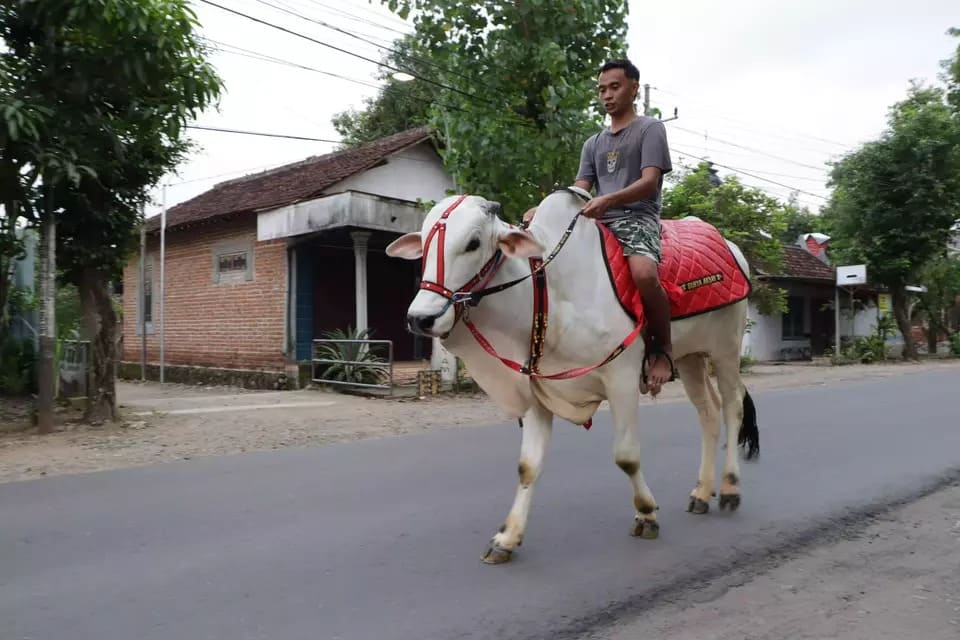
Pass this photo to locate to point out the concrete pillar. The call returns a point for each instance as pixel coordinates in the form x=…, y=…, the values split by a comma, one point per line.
x=360, y=240
x=444, y=361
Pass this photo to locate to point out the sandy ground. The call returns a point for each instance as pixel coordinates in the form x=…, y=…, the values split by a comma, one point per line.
x=176, y=422
x=897, y=578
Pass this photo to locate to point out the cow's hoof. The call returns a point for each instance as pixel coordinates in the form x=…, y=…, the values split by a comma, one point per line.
x=729, y=500
x=698, y=506
x=496, y=554
x=647, y=529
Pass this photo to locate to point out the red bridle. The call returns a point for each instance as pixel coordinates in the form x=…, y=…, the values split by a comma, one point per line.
x=439, y=230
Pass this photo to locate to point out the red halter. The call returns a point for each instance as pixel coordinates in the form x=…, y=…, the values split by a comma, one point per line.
x=439, y=230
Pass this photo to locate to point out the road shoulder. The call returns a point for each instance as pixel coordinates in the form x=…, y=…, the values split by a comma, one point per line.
x=896, y=578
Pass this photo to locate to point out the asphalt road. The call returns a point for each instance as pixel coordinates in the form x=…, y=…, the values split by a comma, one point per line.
x=382, y=539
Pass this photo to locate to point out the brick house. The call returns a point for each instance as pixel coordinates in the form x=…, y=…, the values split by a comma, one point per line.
x=257, y=267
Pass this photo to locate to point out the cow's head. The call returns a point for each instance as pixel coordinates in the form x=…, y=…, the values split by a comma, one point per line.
x=458, y=237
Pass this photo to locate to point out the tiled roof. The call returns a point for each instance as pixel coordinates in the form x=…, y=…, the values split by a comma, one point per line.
x=799, y=263
x=287, y=184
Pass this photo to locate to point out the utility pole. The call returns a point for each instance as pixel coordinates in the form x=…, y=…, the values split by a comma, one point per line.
x=143, y=300
x=648, y=111
x=163, y=265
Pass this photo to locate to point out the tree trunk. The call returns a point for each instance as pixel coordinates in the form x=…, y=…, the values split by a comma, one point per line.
x=46, y=374
x=932, y=331
x=100, y=328
x=903, y=323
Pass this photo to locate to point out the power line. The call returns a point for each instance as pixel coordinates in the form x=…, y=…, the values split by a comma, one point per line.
x=256, y=133
x=355, y=18
x=219, y=175
x=740, y=146
x=362, y=39
x=506, y=118
x=746, y=173
x=247, y=53
x=760, y=132
x=722, y=117
x=341, y=50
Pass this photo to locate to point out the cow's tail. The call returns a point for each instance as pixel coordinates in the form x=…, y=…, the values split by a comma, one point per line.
x=749, y=440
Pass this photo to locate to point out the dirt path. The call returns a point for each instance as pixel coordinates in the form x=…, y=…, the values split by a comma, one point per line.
x=896, y=579
x=176, y=422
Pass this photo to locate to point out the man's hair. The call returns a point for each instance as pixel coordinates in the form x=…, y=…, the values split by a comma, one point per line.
x=629, y=69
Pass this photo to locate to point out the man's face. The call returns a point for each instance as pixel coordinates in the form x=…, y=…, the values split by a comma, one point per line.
x=617, y=92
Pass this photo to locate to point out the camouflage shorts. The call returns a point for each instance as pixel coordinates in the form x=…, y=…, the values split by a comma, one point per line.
x=638, y=235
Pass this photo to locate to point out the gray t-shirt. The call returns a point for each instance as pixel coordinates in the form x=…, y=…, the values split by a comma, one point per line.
x=612, y=161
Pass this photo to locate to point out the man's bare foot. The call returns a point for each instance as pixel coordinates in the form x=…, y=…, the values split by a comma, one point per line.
x=659, y=372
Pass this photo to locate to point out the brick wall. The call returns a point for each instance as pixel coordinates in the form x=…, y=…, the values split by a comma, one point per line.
x=235, y=323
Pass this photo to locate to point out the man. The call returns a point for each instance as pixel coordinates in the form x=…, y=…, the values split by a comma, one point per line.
x=627, y=162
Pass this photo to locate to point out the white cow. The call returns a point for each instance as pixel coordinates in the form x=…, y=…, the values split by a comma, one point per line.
x=460, y=236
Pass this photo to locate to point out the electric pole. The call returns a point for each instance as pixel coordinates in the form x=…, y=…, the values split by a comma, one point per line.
x=647, y=111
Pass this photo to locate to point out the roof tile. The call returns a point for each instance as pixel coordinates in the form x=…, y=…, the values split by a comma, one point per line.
x=287, y=184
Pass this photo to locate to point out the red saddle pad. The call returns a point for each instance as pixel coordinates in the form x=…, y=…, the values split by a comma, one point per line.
x=697, y=270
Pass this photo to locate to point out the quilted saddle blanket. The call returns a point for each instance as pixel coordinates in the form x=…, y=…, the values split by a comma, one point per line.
x=697, y=270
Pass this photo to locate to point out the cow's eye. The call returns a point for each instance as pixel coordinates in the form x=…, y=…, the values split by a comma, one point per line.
x=473, y=245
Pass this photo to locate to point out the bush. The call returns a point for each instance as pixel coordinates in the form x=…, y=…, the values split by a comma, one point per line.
x=955, y=344
x=18, y=366
x=355, y=352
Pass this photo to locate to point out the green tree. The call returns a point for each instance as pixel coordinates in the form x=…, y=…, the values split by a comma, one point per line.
x=398, y=106
x=518, y=94
x=896, y=198
x=746, y=216
x=798, y=220
x=951, y=73
x=941, y=276
x=96, y=97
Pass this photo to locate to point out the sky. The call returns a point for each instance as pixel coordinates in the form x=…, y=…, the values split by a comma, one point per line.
x=772, y=89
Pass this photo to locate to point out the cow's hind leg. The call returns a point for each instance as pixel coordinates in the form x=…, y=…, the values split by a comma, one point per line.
x=536, y=432
x=739, y=416
x=626, y=453
x=700, y=391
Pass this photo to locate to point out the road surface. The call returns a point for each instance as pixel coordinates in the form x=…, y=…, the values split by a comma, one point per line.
x=382, y=538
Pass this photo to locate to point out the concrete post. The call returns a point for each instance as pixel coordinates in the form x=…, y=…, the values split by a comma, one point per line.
x=360, y=240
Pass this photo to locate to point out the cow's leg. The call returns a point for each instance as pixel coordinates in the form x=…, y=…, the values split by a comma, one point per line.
x=626, y=453
x=537, y=428
x=732, y=392
x=700, y=391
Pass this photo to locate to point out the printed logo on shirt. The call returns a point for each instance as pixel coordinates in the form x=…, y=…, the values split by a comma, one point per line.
x=612, y=157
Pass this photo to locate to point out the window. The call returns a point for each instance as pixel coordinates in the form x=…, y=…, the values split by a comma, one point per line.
x=144, y=295
x=233, y=262
x=793, y=318
x=147, y=301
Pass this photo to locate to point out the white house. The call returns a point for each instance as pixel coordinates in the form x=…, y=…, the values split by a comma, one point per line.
x=808, y=327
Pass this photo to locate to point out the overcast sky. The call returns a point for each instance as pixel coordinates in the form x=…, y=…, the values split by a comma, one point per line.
x=774, y=89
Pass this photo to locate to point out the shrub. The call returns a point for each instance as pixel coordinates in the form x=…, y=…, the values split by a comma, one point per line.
x=366, y=372
x=18, y=365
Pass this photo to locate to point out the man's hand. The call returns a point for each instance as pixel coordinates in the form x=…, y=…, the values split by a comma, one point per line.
x=528, y=216
x=597, y=207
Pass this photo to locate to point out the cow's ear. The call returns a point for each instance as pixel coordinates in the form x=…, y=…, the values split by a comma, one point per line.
x=517, y=244
x=407, y=246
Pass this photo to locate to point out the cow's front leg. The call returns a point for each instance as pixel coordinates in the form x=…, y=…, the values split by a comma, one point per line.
x=626, y=453
x=537, y=428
